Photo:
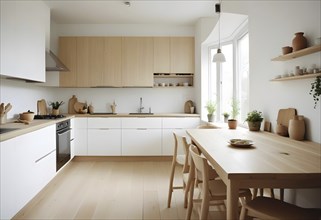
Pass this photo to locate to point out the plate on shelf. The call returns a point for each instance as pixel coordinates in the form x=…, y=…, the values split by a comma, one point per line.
x=240, y=143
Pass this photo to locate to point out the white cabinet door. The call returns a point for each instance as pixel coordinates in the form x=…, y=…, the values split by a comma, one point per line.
x=80, y=140
x=24, y=25
x=28, y=163
x=72, y=138
x=104, y=136
x=104, y=142
x=141, y=142
x=178, y=125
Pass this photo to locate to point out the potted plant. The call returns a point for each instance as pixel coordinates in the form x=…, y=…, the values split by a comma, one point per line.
x=316, y=90
x=226, y=115
x=254, y=119
x=232, y=123
x=55, y=107
x=211, y=107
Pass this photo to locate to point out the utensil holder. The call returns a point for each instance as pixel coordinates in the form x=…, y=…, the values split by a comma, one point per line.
x=3, y=119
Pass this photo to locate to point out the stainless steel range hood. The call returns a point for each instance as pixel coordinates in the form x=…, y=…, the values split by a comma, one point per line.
x=53, y=63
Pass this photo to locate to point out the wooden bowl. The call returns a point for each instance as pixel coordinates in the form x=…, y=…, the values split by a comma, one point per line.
x=27, y=116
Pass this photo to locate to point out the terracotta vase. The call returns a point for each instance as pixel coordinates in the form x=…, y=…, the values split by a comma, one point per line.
x=297, y=128
x=299, y=42
x=232, y=123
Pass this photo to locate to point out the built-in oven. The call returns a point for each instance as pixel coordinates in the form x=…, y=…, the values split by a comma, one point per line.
x=63, y=143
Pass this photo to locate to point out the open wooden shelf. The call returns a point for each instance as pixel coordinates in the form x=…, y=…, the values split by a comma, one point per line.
x=173, y=75
x=298, y=53
x=297, y=77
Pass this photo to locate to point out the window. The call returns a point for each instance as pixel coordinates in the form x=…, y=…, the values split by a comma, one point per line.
x=230, y=80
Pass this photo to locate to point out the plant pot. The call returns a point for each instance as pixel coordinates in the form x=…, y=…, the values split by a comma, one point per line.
x=210, y=117
x=232, y=123
x=55, y=111
x=225, y=119
x=254, y=125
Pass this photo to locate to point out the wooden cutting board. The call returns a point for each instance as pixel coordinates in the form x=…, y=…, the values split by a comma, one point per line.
x=42, y=107
x=71, y=104
x=188, y=105
x=285, y=115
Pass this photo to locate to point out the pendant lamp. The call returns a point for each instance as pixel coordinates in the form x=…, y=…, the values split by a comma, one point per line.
x=219, y=56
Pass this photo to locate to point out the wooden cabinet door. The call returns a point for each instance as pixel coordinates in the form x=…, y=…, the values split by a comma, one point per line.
x=90, y=61
x=68, y=55
x=112, y=62
x=137, y=62
x=182, y=55
x=162, y=55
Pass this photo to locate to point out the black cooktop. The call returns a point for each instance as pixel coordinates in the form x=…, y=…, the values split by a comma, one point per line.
x=48, y=116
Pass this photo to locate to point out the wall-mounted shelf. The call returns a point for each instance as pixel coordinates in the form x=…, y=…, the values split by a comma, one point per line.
x=298, y=53
x=297, y=77
x=173, y=79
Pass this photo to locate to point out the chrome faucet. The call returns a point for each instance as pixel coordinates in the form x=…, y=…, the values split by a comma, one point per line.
x=140, y=110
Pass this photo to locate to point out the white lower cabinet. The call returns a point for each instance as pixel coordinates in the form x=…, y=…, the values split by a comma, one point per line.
x=104, y=136
x=141, y=136
x=28, y=163
x=80, y=137
x=179, y=126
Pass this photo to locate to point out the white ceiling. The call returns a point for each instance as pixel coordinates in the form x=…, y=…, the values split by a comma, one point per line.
x=166, y=12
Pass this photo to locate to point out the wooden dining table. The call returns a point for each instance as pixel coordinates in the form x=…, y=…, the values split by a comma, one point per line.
x=272, y=161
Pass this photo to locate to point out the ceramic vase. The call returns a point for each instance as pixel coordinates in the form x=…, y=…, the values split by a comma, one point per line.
x=297, y=128
x=299, y=42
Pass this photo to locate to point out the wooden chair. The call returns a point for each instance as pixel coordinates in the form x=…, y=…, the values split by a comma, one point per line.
x=211, y=190
x=180, y=143
x=269, y=208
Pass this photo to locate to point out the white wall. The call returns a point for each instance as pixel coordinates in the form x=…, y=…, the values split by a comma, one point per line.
x=272, y=25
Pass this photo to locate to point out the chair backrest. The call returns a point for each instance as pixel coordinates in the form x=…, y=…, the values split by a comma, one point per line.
x=181, y=142
x=201, y=166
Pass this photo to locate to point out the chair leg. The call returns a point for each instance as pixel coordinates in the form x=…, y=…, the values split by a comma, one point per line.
x=170, y=188
x=187, y=189
x=243, y=213
x=254, y=193
x=282, y=194
x=272, y=193
x=190, y=199
x=261, y=192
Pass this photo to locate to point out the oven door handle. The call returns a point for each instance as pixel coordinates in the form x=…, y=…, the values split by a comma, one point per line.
x=63, y=131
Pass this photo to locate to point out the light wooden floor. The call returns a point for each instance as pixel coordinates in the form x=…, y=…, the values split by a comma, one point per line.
x=110, y=190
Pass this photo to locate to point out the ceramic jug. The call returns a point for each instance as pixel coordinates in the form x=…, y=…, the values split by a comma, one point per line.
x=297, y=128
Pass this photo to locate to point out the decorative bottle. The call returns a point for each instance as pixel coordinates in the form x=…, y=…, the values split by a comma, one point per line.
x=299, y=42
x=297, y=128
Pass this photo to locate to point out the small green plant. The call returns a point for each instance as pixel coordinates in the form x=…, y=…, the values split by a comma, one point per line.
x=226, y=115
x=211, y=107
x=235, y=108
x=56, y=105
x=316, y=90
x=254, y=116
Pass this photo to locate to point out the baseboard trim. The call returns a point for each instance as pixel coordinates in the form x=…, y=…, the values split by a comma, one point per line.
x=122, y=158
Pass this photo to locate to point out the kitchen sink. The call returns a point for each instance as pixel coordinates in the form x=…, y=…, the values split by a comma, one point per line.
x=136, y=113
x=5, y=130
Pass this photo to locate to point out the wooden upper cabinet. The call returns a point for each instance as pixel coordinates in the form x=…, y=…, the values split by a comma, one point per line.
x=68, y=55
x=137, y=61
x=112, y=62
x=182, y=54
x=162, y=58
x=90, y=61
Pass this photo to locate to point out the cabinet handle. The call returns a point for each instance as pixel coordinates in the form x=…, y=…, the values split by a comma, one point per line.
x=141, y=129
x=45, y=155
x=104, y=128
x=72, y=139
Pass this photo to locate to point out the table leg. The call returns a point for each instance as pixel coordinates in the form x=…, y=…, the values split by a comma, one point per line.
x=232, y=200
